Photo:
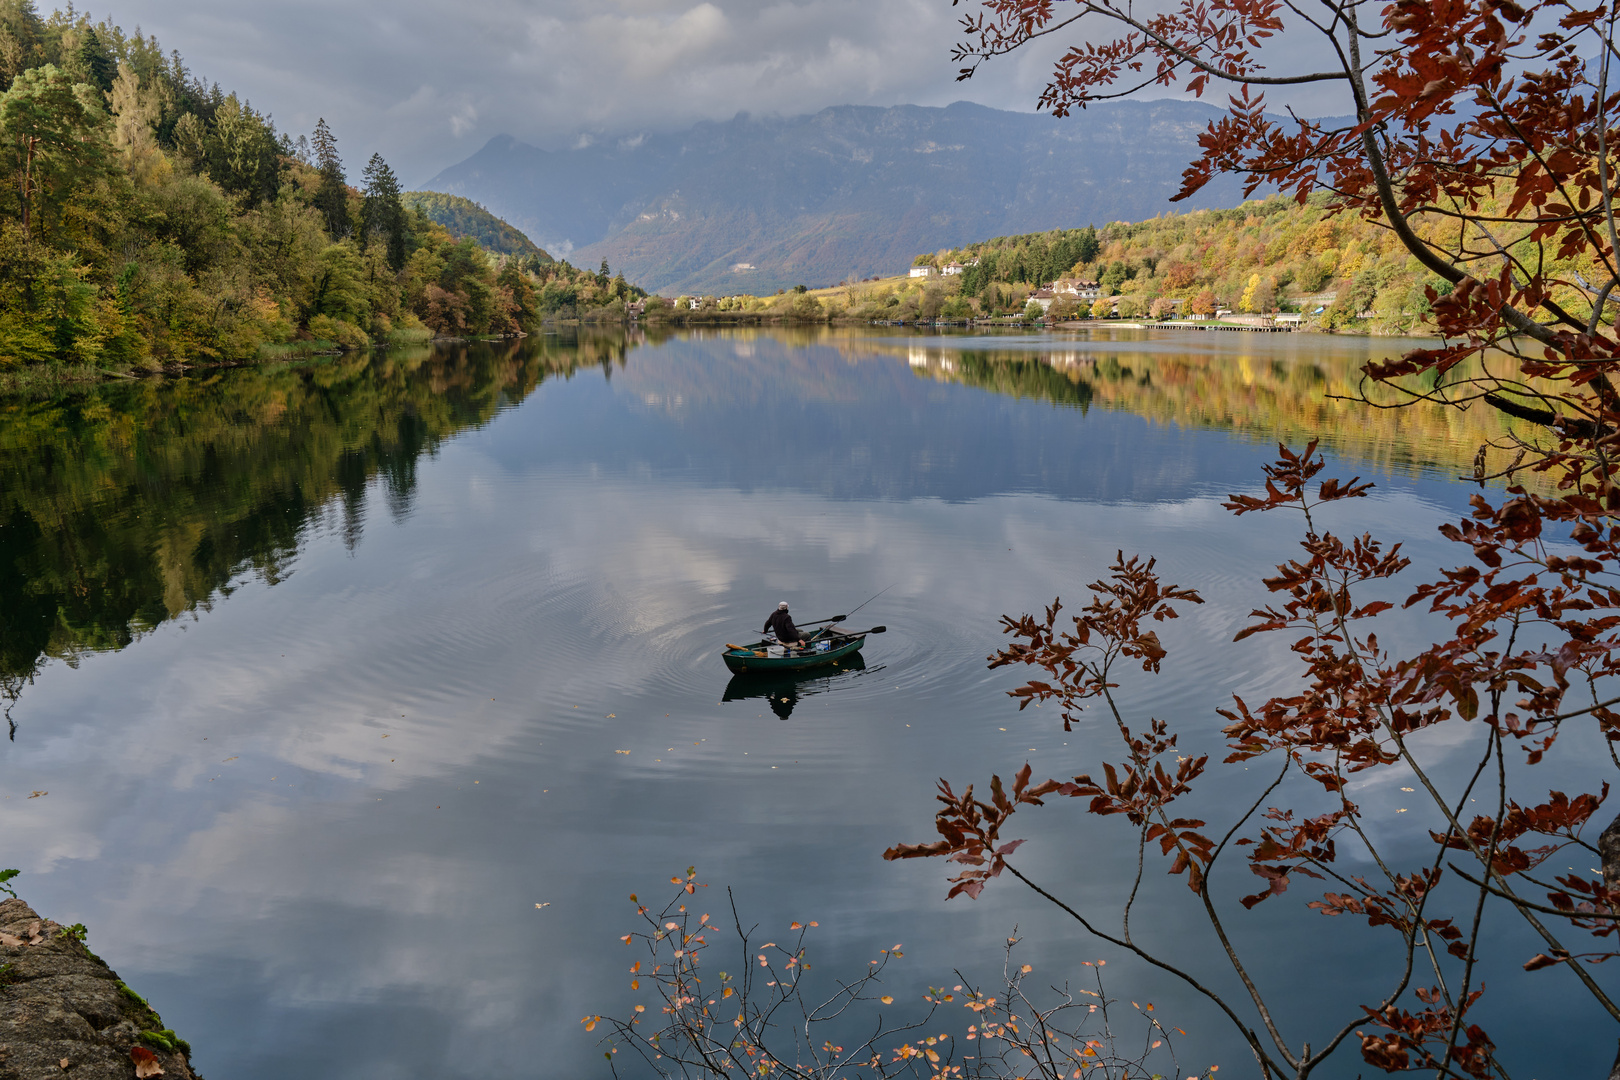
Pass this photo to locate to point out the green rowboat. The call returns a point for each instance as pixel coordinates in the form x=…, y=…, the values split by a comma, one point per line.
x=765, y=656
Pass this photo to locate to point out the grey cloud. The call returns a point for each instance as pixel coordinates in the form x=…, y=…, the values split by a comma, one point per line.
x=425, y=84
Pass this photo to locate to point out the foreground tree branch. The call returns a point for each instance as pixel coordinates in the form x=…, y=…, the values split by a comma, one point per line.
x=1357, y=712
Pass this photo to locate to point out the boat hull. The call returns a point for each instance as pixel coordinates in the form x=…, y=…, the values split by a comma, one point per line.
x=751, y=658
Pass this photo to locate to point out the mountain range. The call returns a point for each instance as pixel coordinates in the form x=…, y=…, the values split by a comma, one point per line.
x=756, y=204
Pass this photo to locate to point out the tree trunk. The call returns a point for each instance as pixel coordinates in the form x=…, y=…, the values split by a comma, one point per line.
x=1609, y=848
x=27, y=184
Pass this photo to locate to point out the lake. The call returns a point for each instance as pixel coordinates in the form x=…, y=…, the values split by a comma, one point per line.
x=332, y=673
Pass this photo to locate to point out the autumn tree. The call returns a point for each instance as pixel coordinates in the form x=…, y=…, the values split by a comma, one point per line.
x=1497, y=119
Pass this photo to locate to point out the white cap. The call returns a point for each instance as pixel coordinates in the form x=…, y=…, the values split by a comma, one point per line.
x=782, y=606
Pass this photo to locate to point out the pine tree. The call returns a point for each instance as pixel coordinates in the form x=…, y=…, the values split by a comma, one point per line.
x=382, y=214
x=332, y=197
x=97, y=61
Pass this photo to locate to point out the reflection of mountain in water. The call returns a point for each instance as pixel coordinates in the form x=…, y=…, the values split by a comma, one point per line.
x=833, y=413
x=134, y=503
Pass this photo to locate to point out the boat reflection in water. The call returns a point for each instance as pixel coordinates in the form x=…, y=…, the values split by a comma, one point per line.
x=783, y=690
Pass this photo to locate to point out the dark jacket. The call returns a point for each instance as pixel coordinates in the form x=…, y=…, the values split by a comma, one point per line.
x=781, y=623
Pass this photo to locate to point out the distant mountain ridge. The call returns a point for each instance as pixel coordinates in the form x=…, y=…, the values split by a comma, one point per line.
x=463, y=217
x=850, y=191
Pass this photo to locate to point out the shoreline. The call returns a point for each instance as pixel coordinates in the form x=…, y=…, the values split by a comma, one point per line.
x=63, y=1010
x=48, y=379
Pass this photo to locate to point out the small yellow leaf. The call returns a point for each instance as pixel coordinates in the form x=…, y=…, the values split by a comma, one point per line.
x=887, y=999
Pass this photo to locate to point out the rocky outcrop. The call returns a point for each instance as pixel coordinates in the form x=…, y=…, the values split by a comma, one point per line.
x=65, y=1013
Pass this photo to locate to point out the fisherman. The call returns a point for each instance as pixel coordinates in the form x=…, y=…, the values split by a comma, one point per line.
x=781, y=624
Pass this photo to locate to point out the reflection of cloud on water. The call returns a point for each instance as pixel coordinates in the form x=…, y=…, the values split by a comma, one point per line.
x=536, y=615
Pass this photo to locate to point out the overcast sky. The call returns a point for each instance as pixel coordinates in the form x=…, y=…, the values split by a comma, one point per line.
x=426, y=83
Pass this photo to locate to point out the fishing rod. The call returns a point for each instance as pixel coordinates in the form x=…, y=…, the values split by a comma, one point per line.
x=853, y=610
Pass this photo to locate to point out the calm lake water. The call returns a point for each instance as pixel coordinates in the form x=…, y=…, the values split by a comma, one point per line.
x=332, y=673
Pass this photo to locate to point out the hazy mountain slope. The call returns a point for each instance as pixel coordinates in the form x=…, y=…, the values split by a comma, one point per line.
x=463, y=217
x=851, y=190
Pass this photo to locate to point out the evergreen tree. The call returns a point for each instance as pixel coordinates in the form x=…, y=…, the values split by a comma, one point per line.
x=1087, y=246
x=241, y=152
x=96, y=61
x=52, y=136
x=383, y=215
x=332, y=197
x=603, y=275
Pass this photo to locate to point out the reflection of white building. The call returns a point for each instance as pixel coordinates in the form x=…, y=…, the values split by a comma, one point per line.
x=918, y=357
x=1069, y=359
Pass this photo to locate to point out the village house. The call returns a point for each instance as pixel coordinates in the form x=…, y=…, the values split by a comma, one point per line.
x=922, y=271
x=1078, y=288
x=1043, y=297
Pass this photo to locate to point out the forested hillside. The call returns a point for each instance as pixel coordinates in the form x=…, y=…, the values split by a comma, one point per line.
x=156, y=218
x=463, y=217
x=1265, y=255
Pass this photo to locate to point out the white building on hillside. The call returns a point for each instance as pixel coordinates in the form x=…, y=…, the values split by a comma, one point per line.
x=1080, y=290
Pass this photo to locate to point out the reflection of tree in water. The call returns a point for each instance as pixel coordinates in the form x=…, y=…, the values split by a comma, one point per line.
x=1294, y=391
x=133, y=504
x=1024, y=376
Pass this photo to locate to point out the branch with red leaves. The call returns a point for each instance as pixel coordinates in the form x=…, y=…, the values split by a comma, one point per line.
x=1356, y=712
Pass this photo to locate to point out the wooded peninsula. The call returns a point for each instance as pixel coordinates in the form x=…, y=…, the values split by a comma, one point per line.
x=156, y=219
